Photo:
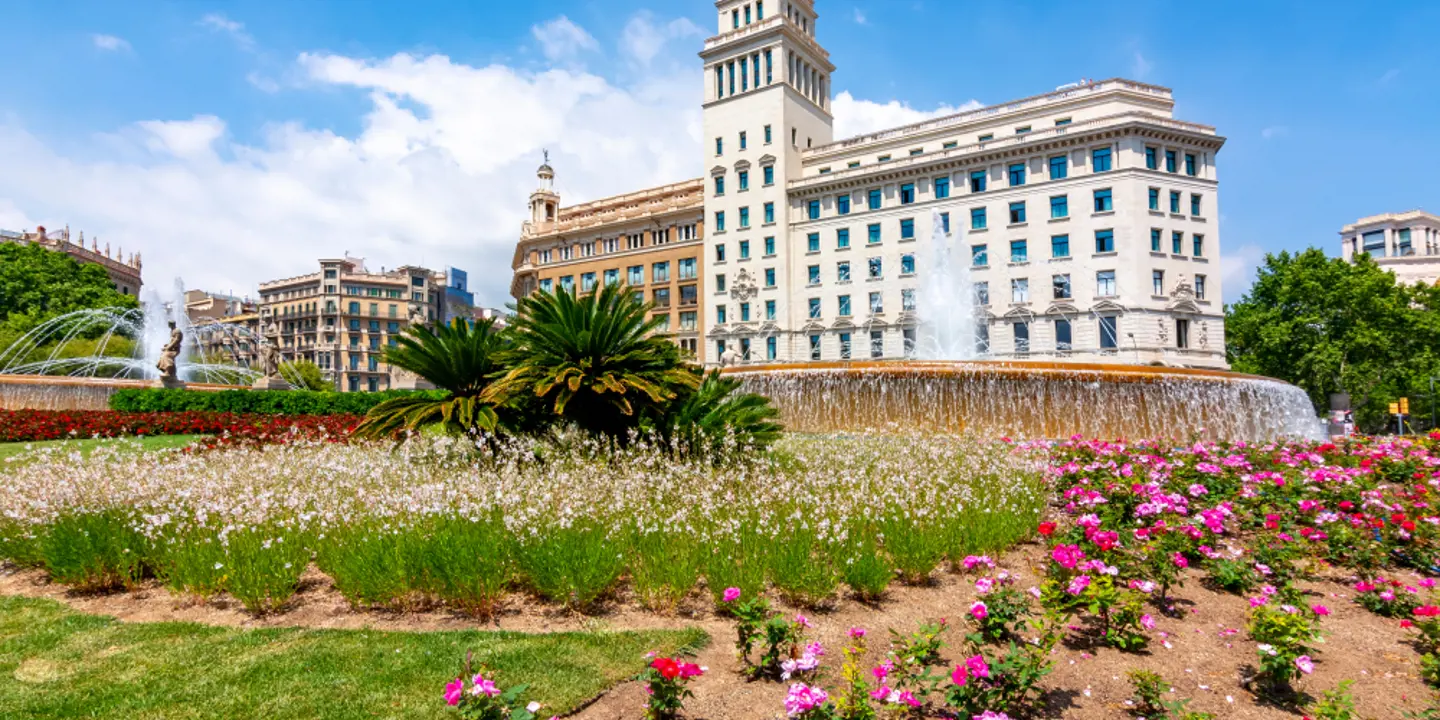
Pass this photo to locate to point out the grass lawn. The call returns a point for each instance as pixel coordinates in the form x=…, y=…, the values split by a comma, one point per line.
x=88, y=445
x=58, y=663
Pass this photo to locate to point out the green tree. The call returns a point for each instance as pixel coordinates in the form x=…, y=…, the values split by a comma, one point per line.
x=460, y=358
x=716, y=416
x=1329, y=326
x=37, y=284
x=305, y=375
x=593, y=360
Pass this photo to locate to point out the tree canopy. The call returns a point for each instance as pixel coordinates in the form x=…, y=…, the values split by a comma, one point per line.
x=1329, y=326
x=37, y=284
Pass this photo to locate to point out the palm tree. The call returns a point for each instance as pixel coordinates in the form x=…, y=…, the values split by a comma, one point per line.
x=714, y=416
x=592, y=359
x=460, y=359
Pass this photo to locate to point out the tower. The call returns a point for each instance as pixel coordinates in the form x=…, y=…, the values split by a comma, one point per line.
x=767, y=99
x=544, y=202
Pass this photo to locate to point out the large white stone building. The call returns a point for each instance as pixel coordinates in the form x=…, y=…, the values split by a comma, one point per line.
x=1089, y=214
x=1407, y=243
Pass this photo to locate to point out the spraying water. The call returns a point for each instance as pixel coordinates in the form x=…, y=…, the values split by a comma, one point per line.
x=947, y=300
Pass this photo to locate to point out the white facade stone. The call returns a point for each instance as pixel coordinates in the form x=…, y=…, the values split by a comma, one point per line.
x=1406, y=243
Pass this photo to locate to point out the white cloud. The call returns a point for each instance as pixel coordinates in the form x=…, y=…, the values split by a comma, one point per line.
x=858, y=117
x=1389, y=76
x=183, y=139
x=1274, y=131
x=561, y=39
x=262, y=83
x=643, y=38
x=1140, y=67
x=109, y=42
x=1238, y=270
x=236, y=30
x=860, y=18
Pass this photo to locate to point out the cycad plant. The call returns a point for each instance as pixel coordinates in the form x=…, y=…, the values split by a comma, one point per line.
x=592, y=359
x=716, y=416
x=460, y=359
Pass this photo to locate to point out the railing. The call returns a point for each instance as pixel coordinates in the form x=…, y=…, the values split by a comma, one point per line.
x=1022, y=104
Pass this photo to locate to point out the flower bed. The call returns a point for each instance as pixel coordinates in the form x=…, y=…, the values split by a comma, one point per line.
x=41, y=425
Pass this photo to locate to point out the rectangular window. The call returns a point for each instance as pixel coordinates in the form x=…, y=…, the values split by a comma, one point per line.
x=978, y=256
x=1177, y=242
x=907, y=193
x=1019, y=290
x=769, y=309
x=1100, y=159
x=768, y=172
x=660, y=272
x=720, y=221
x=1195, y=205
x=813, y=209
x=987, y=137
x=1374, y=243
x=688, y=320
x=744, y=249
x=1105, y=283
x=875, y=199
x=1108, y=340
x=907, y=300
x=1022, y=129
x=1017, y=212
x=815, y=307
x=842, y=238
x=769, y=213
x=877, y=303
x=977, y=181
x=1104, y=241
x=769, y=246
x=945, y=222
x=877, y=343
x=567, y=283
x=1063, y=340
x=719, y=184
x=662, y=297
x=1017, y=174
x=745, y=312
x=1103, y=202
x=844, y=346
x=1198, y=242
x=872, y=233
x=742, y=147
x=844, y=305
x=1060, y=246
x=1152, y=158
x=1190, y=164
x=842, y=271
x=745, y=217
x=587, y=282
x=1059, y=206
x=1059, y=167
x=768, y=134
x=907, y=229
x=1155, y=199
x=813, y=274
x=635, y=275
x=769, y=277
x=907, y=264
x=1402, y=243
x=1019, y=251
x=689, y=295
x=720, y=253
x=1170, y=161
x=1022, y=337
x=1062, y=122
x=1199, y=287
x=770, y=346
x=812, y=242
x=876, y=268
x=1157, y=282
x=744, y=175
x=814, y=347
x=1175, y=201
x=842, y=204
x=720, y=314
x=1155, y=240
x=1060, y=286
x=982, y=293
x=942, y=188
x=720, y=142
x=977, y=218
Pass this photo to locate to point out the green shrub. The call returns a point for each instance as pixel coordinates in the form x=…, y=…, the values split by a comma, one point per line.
x=916, y=547
x=467, y=564
x=574, y=565
x=801, y=569
x=664, y=568
x=367, y=564
x=94, y=551
x=864, y=568
x=270, y=402
x=738, y=563
x=264, y=567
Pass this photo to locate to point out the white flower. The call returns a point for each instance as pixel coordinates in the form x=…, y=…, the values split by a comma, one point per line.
x=533, y=707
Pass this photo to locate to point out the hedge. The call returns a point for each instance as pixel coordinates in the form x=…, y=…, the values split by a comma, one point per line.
x=270, y=402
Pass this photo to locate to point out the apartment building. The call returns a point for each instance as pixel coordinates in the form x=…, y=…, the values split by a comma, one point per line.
x=224, y=327
x=1406, y=243
x=342, y=316
x=650, y=240
x=124, y=271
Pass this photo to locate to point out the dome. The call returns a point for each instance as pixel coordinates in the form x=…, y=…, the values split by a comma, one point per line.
x=546, y=171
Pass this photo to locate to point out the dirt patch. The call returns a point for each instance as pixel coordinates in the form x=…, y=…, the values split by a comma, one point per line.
x=1201, y=651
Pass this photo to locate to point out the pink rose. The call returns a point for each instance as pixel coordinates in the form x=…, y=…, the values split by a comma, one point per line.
x=732, y=594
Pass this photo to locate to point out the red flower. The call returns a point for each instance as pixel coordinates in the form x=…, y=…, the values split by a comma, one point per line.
x=667, y=667
x=1047, y=528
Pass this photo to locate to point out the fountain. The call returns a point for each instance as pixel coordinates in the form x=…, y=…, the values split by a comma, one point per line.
x=948, y=390
x=77, y=360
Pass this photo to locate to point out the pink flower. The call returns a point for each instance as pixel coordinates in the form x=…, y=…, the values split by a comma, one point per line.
x=1078, y=584
x=960, y=676
x=882, y=670
x=802, y=699
x=991, y=715
x=984, y=585
x=857, y=633
x=979, y=610
x=802, y=621
x=484, y=687
x=1305, y=664
x=1321, y=610
x=977, y=666
x=732, y=594
x=453, y=690
x=1067, y=556
x=1147, y=622
x=909, y=699
x=1180, y=560
x=879, y=693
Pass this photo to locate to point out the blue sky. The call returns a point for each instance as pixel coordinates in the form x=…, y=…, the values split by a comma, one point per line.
x=234, y=142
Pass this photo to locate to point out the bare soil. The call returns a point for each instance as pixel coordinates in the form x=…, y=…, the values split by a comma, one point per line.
x=1202, y=651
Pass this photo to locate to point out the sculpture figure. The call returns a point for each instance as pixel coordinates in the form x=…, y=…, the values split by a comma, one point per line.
x=269, y=359
x=729, y=358
x=167, y=365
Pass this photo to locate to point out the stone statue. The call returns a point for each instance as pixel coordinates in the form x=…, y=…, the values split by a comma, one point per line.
x=270, y=367
x=417, y=315
x=167, y=366
x=729, y=358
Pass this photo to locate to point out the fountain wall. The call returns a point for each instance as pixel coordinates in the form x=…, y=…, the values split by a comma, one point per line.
x=1033, y=400
x=47, y=392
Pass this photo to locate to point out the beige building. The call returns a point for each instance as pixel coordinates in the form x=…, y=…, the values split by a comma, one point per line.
x=225, y=327
x=651, y=241
x=342, y=317
x=124, y=272
x=1406, y=243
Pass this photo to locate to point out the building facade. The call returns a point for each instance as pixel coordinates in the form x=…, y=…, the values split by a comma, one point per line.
x=224, y=327
x=651, y=240
x=342, y=317
x=1406, y=243
x=124, y=272
x=1087, y=217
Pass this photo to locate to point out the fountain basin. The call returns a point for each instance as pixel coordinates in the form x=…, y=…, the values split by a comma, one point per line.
x=52, y=392
x=1032, y=400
